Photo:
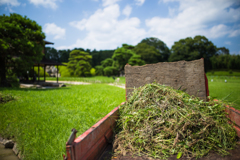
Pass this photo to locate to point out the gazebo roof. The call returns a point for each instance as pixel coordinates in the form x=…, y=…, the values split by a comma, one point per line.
x=47, y=42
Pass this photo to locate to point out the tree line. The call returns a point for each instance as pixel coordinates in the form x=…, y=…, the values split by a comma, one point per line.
x=22, y=42
x=152, y=50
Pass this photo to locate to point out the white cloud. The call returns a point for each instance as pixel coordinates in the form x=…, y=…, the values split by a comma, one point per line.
x=228, y=42
x=139, y=2
x=106, y=31
x=45, y=3
x=234, y=33
x=53, y=29
x=109, y=2
x=10, y=2
x=127, y=10
x=190, y=18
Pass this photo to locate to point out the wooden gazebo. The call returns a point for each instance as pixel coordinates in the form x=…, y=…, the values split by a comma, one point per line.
x=45, y=62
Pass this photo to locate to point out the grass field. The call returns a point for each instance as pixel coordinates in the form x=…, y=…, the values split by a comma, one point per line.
x=41, y=120
x=229, y=91
x=96, y=79
x=222, y=73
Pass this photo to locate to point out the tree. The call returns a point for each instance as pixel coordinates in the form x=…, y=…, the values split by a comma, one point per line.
x=122, y=55
x=190, y=49
x=57, y=55
x=148, y=53
x=222, y=50
x=125, y=55
x=21, y=44
x=110, y=70
x=107, y=62
x=98, y=56
x=79, y=63
x=160, y=46
x=136, y=60
x=52, y=54
x=99, y=70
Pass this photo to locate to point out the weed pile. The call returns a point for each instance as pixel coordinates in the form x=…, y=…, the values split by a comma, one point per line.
x=158, y=121
x=4, y=98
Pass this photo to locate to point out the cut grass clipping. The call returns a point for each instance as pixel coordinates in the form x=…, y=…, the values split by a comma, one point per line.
x=5, y=98
x=158, y=121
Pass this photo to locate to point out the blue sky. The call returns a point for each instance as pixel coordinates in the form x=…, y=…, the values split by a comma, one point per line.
x=107, y=24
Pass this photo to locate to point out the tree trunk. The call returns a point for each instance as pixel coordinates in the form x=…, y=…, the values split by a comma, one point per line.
x=3, y=79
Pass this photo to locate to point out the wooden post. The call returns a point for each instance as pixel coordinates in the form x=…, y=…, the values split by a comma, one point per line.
x=57, y=73
x=33, y=74
x=44, y=72
x=38, y=74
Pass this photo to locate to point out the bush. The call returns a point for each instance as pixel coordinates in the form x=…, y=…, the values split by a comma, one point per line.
x=63, y=70
x=93, y=72
x=13, y=81
x=108, y=71
x=41, y=72
x=230, y=71
x=99, y=70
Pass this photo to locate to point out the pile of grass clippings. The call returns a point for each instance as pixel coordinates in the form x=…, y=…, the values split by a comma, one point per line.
x=4, y=98
x=158, y=121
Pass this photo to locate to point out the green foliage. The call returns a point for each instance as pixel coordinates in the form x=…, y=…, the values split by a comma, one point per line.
x=41, y=72
x=107, y=62
x=21, y=46
x=99, y=56
x=122, y=56
x=191, y=49
x=63, y=70
x=110, y=70
x=222, y=50
x=41, y=120
x=222, y=73
x=99, y=70
x=148, y=53
x=79, y=63
x=136, y=60
x=93, y=71
x=225, y=61
x=57, y=55
x=160, y=46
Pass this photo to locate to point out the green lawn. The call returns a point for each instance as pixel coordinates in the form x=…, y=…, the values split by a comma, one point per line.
x=223, y=73
x=95, y=79
x=41, y=120
x=230, y=90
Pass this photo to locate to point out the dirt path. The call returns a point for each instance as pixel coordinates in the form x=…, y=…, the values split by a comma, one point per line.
x=7, y=154
x=85, y=83
x=72, y=82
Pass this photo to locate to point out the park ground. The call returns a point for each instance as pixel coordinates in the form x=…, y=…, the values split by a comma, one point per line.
x=41, y=120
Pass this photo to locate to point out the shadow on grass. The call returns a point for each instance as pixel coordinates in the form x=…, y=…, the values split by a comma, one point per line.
x=32, y=89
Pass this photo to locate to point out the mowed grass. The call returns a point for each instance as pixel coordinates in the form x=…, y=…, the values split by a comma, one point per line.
x=95, y=79
x=41, y=120
x=228, y=91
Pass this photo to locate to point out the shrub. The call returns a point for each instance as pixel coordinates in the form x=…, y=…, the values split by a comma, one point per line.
x=108, y=71
x=63, y=70
x=93, y=72
x=41, y=72
x=99, y=70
